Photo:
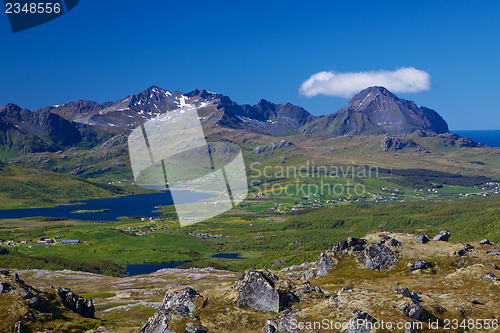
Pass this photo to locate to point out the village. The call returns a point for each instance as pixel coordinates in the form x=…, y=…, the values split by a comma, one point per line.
x=48, y=242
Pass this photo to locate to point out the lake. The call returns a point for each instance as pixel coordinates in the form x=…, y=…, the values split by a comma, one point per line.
x=150, y=268
x=227, y=256
x=139, y=205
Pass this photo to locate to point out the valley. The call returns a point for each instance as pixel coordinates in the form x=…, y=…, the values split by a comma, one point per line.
x=381, y=170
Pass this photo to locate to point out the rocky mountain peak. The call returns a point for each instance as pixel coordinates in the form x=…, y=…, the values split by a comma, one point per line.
x=10, y=109
x=376, y=110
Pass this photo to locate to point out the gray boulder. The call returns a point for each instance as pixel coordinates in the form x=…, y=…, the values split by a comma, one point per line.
x=4, y=287
x=490, y=276
x=309, y=274
x=194, y=328
x=323, y=264
x=177, y=304
x=485, y=242
x=340, y=246
x=26, y=294
x=423, y=239
x=77, y=303
x=420, y=264
x=442, y=236
x=281, y=323
x=18, y=327
x=256, y=290
x=378, y=256
x=494, y=252
x=184, y=296
x=404, y=291
x=307, y=287
x=414, y=310
x=360, y=323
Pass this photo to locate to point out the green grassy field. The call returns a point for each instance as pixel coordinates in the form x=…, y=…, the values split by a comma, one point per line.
x=262, y=236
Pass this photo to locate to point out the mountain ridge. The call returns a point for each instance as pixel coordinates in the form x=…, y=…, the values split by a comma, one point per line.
x=373, y=111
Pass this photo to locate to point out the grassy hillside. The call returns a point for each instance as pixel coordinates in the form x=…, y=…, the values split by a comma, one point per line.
x=22, y=187
x=14, y=259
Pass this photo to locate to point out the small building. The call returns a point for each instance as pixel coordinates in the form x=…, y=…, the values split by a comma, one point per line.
x=70, y=241
x=24, y=242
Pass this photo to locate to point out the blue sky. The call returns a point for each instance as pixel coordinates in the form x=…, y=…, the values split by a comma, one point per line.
x=105, y=50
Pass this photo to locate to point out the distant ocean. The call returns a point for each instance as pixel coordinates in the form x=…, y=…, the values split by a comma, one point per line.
x=489, y=138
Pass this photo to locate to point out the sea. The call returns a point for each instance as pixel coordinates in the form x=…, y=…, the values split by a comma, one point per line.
x=486, y=137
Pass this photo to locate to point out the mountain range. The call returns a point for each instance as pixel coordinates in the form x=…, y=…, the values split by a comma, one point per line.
x=84, y=124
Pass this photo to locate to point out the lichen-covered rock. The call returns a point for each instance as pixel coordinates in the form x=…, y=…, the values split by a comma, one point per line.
x=177, y=304
x=75, y=302
x=414, y=309
x=281, y=323
x=360, y=322
x=256, y=290
x=185, y=297
x=378, y=256
x=195, y=328
x=420, y=264
x=442, y=236
x=323, y=264
x=423, y=239
x=309, y=288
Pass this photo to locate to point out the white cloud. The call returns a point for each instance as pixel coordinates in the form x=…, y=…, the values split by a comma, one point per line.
x=403, y=80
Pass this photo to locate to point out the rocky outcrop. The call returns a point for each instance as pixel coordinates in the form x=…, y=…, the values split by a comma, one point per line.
x=494, y=252
x=4, y=287
x=19, y=327
x=75, y=302
x=442, y=236
x=467, y=248
x=414, y=309
x=378, y=256
x=360, y=322
x=485, y=242
x=175, y=306
x=113, y=142
x=420, y=264
x=490, y=276
x=398, y=143
x=273, y=146
x=424, y=239
x=373, y=256
x=281, y=323
x=257, y=290
x=323, y=264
